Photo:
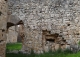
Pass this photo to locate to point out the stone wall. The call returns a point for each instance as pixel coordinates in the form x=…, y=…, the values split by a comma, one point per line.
x=3, y=23
x=12, y=35
x=56, y=16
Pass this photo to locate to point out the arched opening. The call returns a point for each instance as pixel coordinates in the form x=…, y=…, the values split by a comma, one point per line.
x=15, y=33
x=9, y=24
x=20, y=22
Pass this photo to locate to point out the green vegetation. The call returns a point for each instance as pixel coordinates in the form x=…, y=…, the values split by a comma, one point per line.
x=58, y=53
x=13, y=46
x=79, y=42
x=15, y=55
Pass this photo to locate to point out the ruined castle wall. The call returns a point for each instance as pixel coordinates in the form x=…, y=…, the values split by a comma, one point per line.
x=57, y=16
x=3, y=23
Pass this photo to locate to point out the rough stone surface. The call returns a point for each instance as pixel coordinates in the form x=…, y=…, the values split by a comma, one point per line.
x=12, y=35
x=3, y=23
x=47, y=19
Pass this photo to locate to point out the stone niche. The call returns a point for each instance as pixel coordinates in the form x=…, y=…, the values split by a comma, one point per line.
x=3, y=22
x=53, y=41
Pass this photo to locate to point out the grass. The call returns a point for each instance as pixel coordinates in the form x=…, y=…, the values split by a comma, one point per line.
x=44, y=55
x=79, y=43
x=58, y=53
x=13, y=46
x=15, y=55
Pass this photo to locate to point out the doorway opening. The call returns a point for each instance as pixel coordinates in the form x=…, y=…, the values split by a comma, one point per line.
x=15, y=36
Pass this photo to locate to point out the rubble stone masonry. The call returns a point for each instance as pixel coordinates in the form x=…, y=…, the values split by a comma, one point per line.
x=43, y=19
x=3, y=24
x=48, y=24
